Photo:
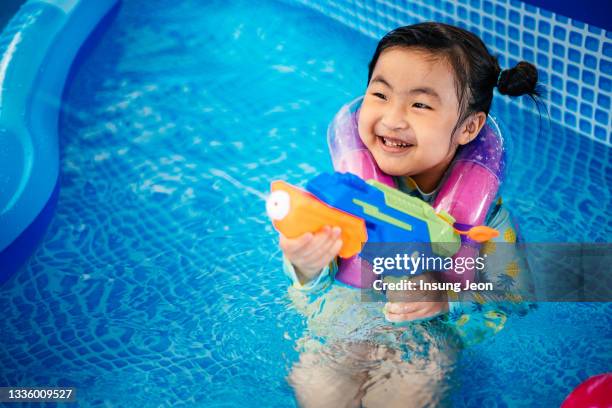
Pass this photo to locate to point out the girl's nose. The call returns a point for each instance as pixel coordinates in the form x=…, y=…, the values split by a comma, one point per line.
x=394, y=118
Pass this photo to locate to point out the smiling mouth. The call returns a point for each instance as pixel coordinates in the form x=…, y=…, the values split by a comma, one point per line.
x=394, y=143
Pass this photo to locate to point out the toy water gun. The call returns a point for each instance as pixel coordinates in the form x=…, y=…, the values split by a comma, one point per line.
x=366, y=211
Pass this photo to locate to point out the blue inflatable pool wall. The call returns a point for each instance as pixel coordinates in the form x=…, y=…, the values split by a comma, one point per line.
x=37, y=49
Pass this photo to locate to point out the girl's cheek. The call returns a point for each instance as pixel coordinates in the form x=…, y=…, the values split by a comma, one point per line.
x=370, y=118
x=362, y=129
x=365, y=122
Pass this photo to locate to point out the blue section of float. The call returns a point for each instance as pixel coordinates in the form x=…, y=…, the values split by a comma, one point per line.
x=15, y=255
x=37, y=49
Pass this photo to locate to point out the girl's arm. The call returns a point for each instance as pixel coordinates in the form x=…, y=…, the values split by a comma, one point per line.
x=317, y=283
x=481, y=313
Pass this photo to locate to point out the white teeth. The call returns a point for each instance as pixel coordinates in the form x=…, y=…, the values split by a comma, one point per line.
x=394, y=144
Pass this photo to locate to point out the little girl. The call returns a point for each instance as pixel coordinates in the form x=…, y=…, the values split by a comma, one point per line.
x=430, y=88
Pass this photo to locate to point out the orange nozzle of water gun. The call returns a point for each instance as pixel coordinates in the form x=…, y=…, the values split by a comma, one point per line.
x=295, y=212
x=479, y=233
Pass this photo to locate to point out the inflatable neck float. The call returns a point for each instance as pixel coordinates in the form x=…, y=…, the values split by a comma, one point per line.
x=466, y=191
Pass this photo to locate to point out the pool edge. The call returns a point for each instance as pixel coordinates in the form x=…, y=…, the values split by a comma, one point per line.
x=37, y=50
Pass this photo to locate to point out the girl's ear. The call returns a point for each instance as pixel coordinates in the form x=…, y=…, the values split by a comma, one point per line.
x=471, y=127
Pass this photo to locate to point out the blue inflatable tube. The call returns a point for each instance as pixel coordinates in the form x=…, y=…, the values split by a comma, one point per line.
x=37, y=48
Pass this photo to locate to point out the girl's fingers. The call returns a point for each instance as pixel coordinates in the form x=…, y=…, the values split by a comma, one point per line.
x=401, y=307
x=397, y=318
x=321, y=241
x=312, y=251
x=336, y=231
x=295, y=245
x=325, y=250
x=326, y=255
x=331, y=240
x=412, y=311
x=334, y=249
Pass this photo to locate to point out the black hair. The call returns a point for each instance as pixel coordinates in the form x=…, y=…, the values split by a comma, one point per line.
x=477, y=72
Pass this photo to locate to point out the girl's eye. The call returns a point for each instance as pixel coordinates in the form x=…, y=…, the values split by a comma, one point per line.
x=379, y=95
x=421, y=105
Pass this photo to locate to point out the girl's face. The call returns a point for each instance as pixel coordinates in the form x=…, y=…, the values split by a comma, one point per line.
x=408, y=113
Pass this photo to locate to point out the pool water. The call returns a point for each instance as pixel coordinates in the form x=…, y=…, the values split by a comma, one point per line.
x=159, y=281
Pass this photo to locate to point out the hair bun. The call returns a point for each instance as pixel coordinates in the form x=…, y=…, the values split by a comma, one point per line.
x=520, y=80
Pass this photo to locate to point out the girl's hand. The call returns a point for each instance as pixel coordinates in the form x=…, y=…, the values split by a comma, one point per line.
x=414, y=305
x=405, y=311
x=309, y=253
